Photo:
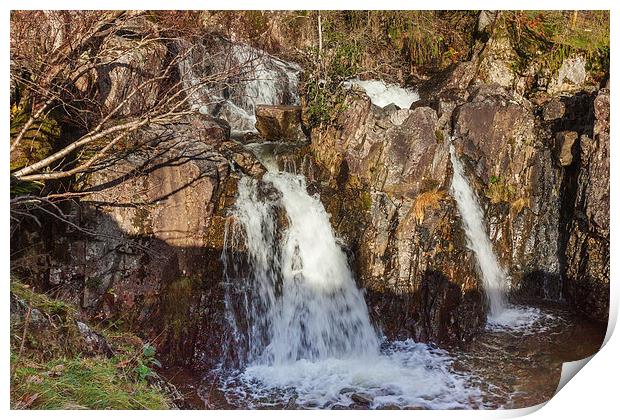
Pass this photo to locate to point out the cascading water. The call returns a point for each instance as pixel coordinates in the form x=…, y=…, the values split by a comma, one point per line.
x=305, y=304
x=493, y=276
x=500, y=315
x=302, y=321
x=247, y=77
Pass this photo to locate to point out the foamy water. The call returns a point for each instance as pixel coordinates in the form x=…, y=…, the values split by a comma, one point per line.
x=406, y=374
x=383, y=94
x=522, y=319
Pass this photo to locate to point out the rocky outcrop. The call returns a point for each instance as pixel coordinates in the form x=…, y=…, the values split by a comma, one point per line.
x=586, y=255
x=389, y=201
x=279, y=122
x=508, y=160
x=389, y=177
x=147, y=236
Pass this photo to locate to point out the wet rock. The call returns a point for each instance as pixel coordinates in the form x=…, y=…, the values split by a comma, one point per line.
x=390, y=407
x=159, y=218
x=279, y=122
x=362, y=398
x=211, y=129
x=291, y=404
x=586, y=220
x=511, y=166
x=243, y=159
x=388, y=191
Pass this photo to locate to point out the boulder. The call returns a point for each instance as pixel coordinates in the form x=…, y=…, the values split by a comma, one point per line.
x=279, y=122
x=554, y=109
x=565, y=145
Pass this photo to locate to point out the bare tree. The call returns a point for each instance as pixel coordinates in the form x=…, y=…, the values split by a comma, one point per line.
x=56, y=58
x=106, y=76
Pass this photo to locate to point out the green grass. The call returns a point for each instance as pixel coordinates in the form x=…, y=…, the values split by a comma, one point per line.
x=80, y=383
x=42, y=302
x=56, y=369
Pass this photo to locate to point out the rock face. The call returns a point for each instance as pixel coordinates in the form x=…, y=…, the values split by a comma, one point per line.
x=158, y=218
x=145, y=242
x=509, y=163
x=586, y=256
x=389, y=200
x=388, y=192
x=279, y=122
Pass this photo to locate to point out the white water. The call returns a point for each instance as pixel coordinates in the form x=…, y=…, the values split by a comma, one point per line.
x=493, y=276
x=254, y=77
x=383, y=94
x=501, y=315
x=305, y=323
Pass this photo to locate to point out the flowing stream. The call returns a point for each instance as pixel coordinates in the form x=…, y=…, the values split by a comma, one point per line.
x=248, y=77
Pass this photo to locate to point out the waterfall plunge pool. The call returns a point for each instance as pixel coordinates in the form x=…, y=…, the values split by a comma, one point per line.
x=500, y=369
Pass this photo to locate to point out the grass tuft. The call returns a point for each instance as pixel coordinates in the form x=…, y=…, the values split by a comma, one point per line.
x=77, y=383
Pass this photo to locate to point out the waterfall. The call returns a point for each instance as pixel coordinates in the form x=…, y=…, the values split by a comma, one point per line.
x=244, y=77
x=493, y=276
x=301, y=323
x=303, y=302
x=383, y=94
x=501, y=315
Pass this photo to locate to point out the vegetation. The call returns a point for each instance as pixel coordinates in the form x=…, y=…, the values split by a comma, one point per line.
x=80, y=383
x=391, y=45
x=54, y=367
x=74, y=108
x=428, y=200
x=549, y=37
x=498, y=191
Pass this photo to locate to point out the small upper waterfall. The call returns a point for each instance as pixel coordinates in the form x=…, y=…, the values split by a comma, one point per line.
x=493, y=276
x=243, y=78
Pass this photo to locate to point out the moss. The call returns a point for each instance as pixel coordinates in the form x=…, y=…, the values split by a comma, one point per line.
x=42, y=302
x=366, y=199
x=439, y=137
x=37, y=142
x=498, y=191
x=177, y=306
